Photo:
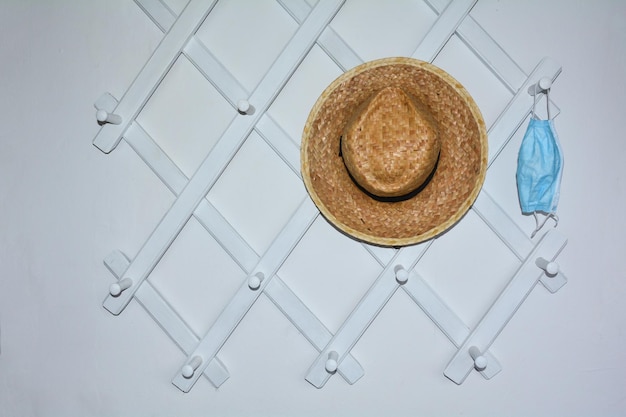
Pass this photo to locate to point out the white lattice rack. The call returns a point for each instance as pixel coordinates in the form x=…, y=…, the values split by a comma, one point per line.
x=401, y=268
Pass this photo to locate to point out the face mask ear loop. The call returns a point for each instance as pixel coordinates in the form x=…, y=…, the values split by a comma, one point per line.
x=532, y=114
x=548, y=103
x=538, y=226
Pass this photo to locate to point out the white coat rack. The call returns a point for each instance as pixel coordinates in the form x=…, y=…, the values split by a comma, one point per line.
x=401, y=267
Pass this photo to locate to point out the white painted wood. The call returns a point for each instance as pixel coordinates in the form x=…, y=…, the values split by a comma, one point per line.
x=116, y=288
x=106, y=102
x=239, y=305
x=488, y=51
x=447, y=321
x=443, y=28
x=483, y=45
x=239, y=250
x=105, y=117
x=255, y=281
x=511, y=235
x=364, y=313
x=166, y=318
x=280, y=142
x=205, y=213
x=339, y=51
x=428, y=300
x=190, y=369
x=215, y=72
x=309, y=325
x=289, y=152
x=354, y=327
x=491, y=54
x=518, y=108
x=212, y=220
x=153, y=72
x=329, y=40
x=540, y=86
x=382, y=255
x=502, y=225
x=159, y=12
x=197, y=53
x=553, y=283
x=504, y=307
x=294, y=53
x=550, y=267
x=480, y=361
x=224, y=150
x=298, y=9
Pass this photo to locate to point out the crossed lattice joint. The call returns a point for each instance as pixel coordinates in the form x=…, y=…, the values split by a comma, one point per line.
x=401, y=267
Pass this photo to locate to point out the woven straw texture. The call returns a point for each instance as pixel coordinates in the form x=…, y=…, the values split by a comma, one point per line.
x=459, y=173
x=391, y=144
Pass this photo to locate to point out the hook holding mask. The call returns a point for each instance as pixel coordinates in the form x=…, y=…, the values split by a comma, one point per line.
x=541, y=86
x=540, y=163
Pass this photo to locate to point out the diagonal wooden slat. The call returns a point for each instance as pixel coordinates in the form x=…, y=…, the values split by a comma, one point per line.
x=215, y=72
x=511, y=235
x=518, y=108
x=205, y=213
x=483, y=45
x=153, y=72
x=280, y=142
x=309, y=325
x=363, y=314
x=197, y=53
x=242, y=301
x=329, y=40
x=447, y=321
x=504, y=307
x=223, y=151
x=165, y=316
x=159, y=12
x=443, y=28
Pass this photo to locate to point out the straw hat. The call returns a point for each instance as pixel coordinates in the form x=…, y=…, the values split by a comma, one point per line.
x=394, y=152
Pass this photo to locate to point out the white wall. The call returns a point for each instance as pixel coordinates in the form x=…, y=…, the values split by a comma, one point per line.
x=65, y=206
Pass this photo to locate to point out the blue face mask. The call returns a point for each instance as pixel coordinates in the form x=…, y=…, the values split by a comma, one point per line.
x=539, y=169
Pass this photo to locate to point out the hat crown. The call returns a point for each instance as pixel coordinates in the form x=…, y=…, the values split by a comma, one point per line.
x=391, y=144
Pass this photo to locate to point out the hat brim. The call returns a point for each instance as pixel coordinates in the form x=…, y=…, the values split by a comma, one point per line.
x=452, y=189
